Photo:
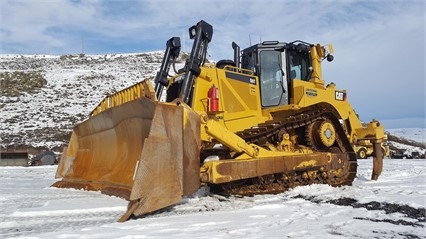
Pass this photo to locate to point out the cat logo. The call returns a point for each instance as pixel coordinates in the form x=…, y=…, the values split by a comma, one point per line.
x=340, y=95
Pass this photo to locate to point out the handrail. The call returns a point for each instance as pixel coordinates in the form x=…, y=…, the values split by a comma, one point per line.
x=238, y=70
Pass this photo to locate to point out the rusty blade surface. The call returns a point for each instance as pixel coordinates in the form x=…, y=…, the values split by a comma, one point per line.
x=169, y=164
x=144, y=151
x=104, y=149
x=191, y=151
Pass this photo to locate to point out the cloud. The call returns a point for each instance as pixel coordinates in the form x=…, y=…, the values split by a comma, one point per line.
x=381, y=62
x=44, y=26
x=379, y=46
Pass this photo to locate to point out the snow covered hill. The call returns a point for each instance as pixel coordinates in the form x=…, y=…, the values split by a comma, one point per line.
x=42, y=96
x=415, y=134
x=406, y=141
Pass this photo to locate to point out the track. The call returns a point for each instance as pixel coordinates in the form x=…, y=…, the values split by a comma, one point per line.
x=271, y=132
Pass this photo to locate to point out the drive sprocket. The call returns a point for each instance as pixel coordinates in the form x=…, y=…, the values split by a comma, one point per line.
x=321, y=134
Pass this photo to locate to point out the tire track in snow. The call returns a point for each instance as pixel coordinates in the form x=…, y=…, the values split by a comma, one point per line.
x=28, y=205
x=24, y=226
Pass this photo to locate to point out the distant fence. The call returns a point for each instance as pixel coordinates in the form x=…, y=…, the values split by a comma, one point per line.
x=14, y=158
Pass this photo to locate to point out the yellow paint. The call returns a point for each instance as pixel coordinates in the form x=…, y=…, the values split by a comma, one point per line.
x=308, y=163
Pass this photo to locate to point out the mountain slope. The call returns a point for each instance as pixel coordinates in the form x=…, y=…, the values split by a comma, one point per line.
x=43, y=97
x=408, y=140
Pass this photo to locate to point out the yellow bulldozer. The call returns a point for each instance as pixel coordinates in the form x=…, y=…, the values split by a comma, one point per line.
x=261, y=123
x=365, y=149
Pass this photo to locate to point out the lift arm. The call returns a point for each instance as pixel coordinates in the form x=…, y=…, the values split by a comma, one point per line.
x=202, y=34
x=170, y=55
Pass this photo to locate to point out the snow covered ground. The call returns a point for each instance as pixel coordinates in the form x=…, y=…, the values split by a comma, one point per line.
x=392, y=207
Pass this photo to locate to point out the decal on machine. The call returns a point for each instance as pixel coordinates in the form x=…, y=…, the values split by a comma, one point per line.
x=252, y=90
x=311, y=92
x=240, y=77
x=340, y=95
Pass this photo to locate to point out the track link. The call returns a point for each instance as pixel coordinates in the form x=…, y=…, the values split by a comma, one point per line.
x=271, y=131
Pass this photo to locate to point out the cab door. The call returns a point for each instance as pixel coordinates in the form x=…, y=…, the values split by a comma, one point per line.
x=273, y=78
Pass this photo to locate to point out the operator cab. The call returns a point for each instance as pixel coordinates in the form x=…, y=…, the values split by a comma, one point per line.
x=277, y=64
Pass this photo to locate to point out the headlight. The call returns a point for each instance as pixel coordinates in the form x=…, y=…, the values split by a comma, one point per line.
x=192, y=32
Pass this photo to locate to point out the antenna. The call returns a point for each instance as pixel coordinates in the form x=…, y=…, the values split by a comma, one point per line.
x=260, y=37
x=183, y=41
x=82, y=45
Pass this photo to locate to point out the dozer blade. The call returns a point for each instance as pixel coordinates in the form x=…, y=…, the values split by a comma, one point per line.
x=144, y=151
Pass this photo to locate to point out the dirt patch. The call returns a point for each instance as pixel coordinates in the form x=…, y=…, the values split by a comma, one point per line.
x=410, y=212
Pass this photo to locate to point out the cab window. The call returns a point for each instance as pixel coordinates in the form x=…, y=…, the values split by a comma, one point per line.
x=249, y=61
x=299, y=64
x=271, y=78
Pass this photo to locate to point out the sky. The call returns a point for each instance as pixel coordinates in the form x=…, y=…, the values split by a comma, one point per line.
x=379, y=46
